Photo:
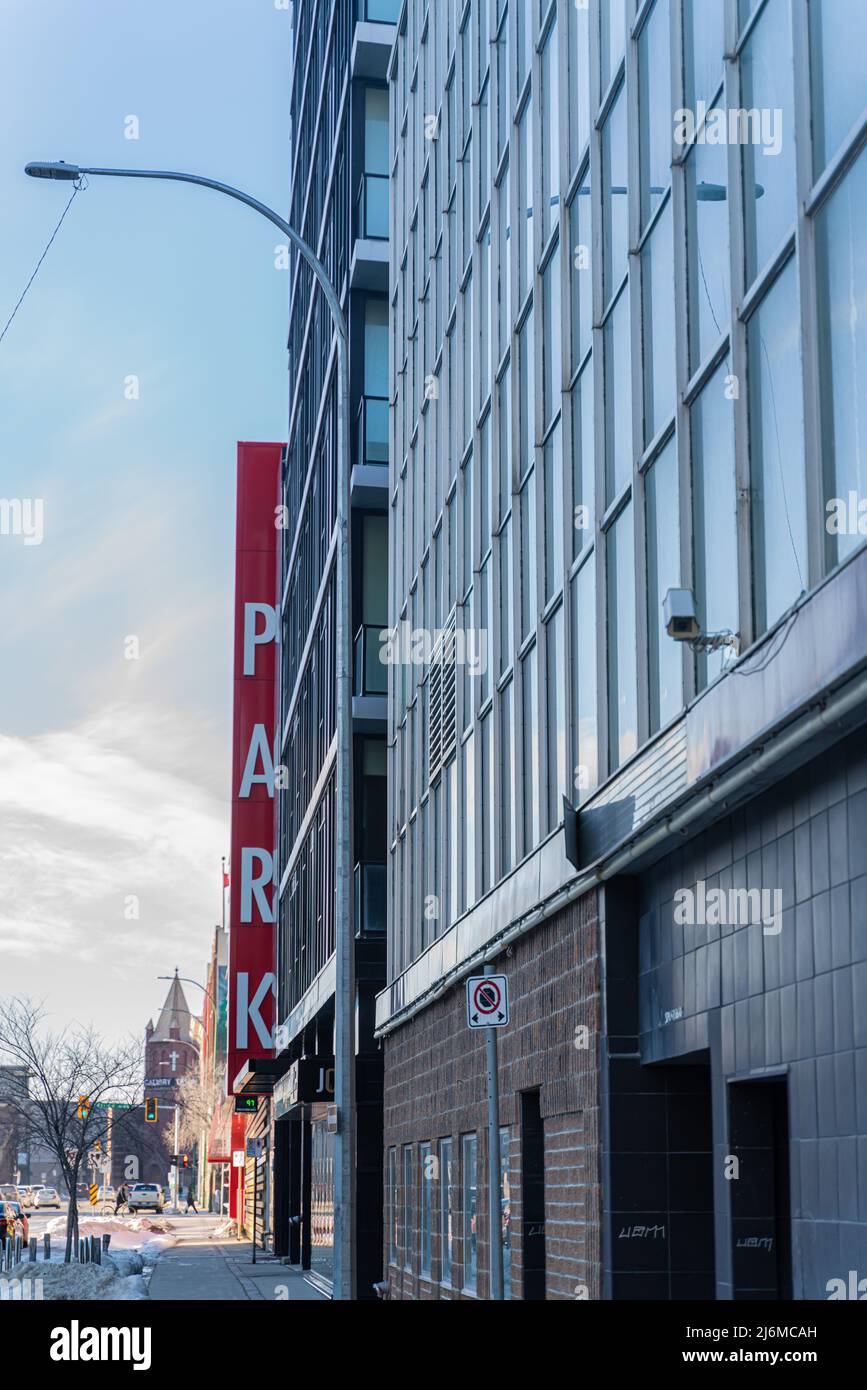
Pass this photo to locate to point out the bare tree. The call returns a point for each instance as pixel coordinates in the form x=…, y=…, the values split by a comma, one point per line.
x=49, y=1072
x=198, y=1100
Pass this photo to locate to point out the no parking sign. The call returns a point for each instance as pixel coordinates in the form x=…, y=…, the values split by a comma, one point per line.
x=487, y=1001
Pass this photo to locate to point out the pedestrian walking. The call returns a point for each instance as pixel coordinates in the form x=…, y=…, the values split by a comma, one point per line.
x=190, y=1202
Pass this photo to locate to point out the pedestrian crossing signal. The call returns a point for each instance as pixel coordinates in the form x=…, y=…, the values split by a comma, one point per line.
x=185, y=1160
x=83, y=1107
x=151, y=1110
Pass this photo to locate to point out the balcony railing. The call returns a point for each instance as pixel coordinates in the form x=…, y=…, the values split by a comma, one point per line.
x=373, y=430
x=369, y=899
x=370, y=675
x=378, y=11
x=371, y=207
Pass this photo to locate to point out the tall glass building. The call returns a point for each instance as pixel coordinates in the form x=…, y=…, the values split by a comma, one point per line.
x=628, y=357
x=339, y=203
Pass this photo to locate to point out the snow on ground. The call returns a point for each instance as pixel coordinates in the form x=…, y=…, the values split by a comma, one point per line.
x=109, y=1282
x=128, y=1234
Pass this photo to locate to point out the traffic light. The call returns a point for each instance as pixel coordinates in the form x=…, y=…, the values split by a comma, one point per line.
x=83, y=1107
x=151, y=1110
x=97, y=1144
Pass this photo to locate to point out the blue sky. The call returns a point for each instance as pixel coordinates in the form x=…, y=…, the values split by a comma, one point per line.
x=114, y=774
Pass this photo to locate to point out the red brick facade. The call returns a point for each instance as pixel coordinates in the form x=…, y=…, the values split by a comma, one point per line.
x=435, y=1089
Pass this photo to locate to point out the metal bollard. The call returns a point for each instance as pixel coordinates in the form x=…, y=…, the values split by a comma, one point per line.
x=18, y=1248
x=7, y=1249
x=96, y=1252
x=106, y=1240
x=46, y=1246
x=33, y=1249
x=82, y=1252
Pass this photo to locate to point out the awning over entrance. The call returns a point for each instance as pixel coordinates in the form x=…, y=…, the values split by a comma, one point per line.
x=258, y=1075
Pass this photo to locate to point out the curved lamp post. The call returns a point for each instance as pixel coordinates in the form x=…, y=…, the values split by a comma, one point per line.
x=344, y=1012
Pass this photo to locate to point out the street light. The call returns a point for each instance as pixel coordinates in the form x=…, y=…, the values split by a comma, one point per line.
x=344, y=1002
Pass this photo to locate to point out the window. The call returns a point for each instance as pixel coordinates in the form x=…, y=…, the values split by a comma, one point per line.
x=583, y=460
x=580, y=277
x=579, y=81
x=426, y=1179
x=527, y=398
x=508, y=849
x=614, y=200
x=556, y=718
x=375, y=191
x=613, y=37
x=838, y=40
x=506, y=1210
x=407, y=1207
x=622, y=670
x=663, y=573
x=530, y=784
x=585, y=754
x=552, y=346
x=707, y=249
x=469, y=819
x=551, y=142
x=552, y=464
x=525, y=201
x=446, y=1212
x=715, y=550
x=505, y=626
x=529, y=609
x=391, y=1217
x=704, y=46
x=657, y=284
x=374, y=437
x=769, y=163
x=654, y=126
x=843, y=351
x=468, y=1158
x=618, y=399
x=777, y=451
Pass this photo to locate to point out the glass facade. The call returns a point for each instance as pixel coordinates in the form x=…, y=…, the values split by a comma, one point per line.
x=679, y=409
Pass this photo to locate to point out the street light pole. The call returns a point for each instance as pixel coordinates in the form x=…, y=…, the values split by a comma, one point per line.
x=344, y=1003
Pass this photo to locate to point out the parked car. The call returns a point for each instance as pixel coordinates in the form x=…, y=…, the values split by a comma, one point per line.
x=8, y=1192
x=48, y=1197
x=144, y=1196
x=13, y=1222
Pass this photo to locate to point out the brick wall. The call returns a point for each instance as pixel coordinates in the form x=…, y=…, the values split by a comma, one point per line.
x=435, y=1089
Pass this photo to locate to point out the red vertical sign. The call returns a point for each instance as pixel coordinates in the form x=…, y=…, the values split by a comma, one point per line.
x=252, y=894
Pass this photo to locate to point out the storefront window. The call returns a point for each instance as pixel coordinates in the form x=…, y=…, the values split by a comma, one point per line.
x=426, y=1178
x=446, y=1211
x=506, y=1211
x=468, y=1156
x=321, y=1194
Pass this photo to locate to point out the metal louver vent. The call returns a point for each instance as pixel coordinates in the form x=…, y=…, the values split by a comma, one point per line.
x=442, y=709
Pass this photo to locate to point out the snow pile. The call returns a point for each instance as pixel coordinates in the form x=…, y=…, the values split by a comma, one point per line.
x=227, y=1230
x=127, y=1234
x=74, y=1283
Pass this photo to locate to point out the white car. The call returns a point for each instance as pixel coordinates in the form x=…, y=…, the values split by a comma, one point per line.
x=145, y=1196
x=48, y=1197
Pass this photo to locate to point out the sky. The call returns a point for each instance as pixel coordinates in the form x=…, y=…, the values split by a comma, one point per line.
x=151, y=341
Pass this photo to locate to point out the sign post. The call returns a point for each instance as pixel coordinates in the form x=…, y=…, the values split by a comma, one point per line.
x=488, y=1008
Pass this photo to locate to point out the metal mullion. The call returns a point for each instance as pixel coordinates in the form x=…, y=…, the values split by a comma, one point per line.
x=599, y=434
x=683, y=435
x=636, y=350
x=818, y=557
x=743, y=472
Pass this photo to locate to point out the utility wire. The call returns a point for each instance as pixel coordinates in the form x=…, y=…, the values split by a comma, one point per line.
x=38, y=264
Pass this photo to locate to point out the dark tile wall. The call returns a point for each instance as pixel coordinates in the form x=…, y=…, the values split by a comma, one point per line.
x=796, y=1001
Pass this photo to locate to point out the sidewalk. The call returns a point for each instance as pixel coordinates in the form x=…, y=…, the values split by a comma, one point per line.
x=221, y=1272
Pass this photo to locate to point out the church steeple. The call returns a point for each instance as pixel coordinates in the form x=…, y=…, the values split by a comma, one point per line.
x=174, y=1022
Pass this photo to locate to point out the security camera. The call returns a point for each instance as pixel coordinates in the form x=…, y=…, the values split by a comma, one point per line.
x=681, y=623
x=678, y=610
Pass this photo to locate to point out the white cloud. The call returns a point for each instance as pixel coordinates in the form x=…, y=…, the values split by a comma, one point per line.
x=118, y=806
